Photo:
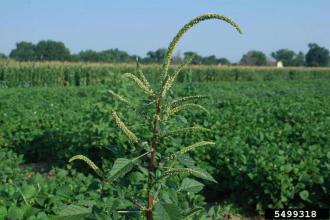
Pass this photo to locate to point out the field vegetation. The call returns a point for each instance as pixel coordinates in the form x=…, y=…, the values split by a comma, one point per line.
x=271, y=146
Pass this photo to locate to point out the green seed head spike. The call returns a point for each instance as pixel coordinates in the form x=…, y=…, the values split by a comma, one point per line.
x=140, y=83
x=185, y=28
x=119, y=97
x=123, y=127
x=90, y=163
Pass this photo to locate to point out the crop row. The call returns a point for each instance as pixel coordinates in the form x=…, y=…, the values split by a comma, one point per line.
x=15, y=74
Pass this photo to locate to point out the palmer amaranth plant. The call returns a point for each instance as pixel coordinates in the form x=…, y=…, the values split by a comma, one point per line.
x=161, y=166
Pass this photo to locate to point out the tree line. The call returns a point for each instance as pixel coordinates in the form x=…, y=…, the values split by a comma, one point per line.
x=49, y=50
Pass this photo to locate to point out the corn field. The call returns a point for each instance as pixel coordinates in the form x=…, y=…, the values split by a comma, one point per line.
x=31, y=74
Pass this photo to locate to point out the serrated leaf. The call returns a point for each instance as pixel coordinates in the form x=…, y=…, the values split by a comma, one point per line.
x=191, y=185
x=120, y=168
x=73, y=212
x=166, y=211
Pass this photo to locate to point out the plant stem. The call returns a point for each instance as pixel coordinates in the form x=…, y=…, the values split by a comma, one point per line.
x=142, y=155
x=142, y=208
x=127, y=212
x=153, y=158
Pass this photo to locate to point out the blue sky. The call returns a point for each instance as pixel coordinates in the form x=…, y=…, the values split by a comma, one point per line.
x=139, y=26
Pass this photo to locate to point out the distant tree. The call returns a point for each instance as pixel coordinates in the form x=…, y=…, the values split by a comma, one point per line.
x=156, y=56
x=74, y=58
x=3, y=56
x=210, y=60
x=289, y=57
x=254, y=58
x=24, y=51
x=51, y=50
x=299, y=59
x=89, y=56
x=197, y=59
x=317, y=56
x=106, y=56
x=115, y=56
x=286, y=56
x=224, y=61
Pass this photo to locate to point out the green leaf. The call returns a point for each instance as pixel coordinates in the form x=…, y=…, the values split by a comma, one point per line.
x=43, y=216
x=137, y=177
x=101, y=216
x=200, y=173
x=304, y=195
x=166, y=211
x=186, y=161
x=15, y=212
x=3, y=212
x=30, y=211
x=192, y=212
x=29, y=191
x=191, y=185
x=73, y=212
x=120, y=168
